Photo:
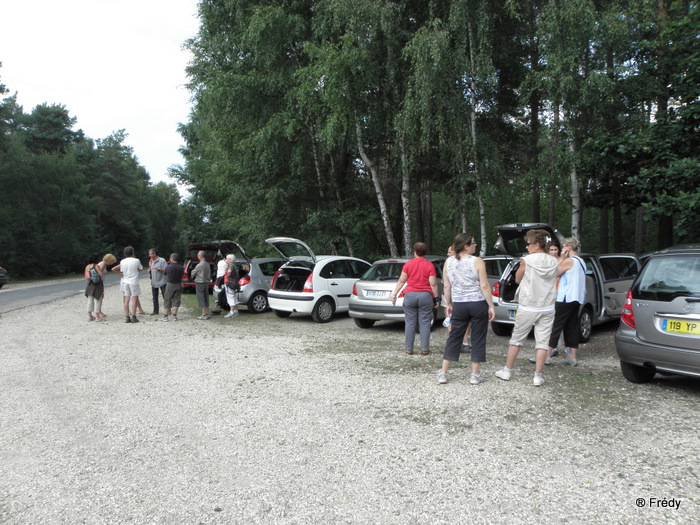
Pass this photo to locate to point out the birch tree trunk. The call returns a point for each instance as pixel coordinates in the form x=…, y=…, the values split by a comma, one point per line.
x=575, y=195
x=393, y=249
x=405, y=198
x=477, y=172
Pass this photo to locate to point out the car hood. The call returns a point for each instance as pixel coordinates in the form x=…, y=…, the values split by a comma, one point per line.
x=510, y=237
x=223, y=248
x=292, y=249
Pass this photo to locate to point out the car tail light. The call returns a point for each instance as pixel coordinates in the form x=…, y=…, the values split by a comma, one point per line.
x=354, y=289
x=496, y=290
x=627, y=316
x=309, y=284
x=243, y=281
x=274, y=279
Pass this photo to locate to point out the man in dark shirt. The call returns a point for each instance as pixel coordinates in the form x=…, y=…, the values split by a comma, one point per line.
x=173, y=289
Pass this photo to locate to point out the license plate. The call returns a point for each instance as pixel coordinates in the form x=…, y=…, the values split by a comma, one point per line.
x=677, y=326
x=511, y=314
x=377, y=293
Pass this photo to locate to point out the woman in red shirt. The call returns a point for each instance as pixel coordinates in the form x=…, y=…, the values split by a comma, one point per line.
x=419, y=297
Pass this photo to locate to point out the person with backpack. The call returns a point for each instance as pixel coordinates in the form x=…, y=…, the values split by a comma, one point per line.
x=94, y=287
x=231, y=285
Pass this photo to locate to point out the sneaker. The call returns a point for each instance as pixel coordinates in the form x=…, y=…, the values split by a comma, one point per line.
x=442, y=378
x=233, y=313
x=164, y=319
x=128, y=319
x=174, y=317
x=153, y=313
x=203, y=317
x=503, y=374
x=477, y=378
x=555, y=352
x=547, y=361
x=466, y=348
x=229, y=315
x=537, y=380
x=570, y=362
x=134, y=319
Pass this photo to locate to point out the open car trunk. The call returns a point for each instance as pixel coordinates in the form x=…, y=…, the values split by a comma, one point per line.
x=291, y=279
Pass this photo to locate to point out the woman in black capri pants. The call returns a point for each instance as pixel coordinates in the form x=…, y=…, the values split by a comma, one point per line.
x=468, y=296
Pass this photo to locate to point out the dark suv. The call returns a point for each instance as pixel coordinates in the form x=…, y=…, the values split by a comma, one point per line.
x=660, y=323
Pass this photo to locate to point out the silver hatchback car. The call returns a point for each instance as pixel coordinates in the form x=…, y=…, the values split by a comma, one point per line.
x=371, y=296
x=660, y=323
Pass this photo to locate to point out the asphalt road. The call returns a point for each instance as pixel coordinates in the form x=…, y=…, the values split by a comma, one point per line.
x=14, y=296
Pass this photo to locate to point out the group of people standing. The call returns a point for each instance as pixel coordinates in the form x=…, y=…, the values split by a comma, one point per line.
x=166, y=281
x=550, y=292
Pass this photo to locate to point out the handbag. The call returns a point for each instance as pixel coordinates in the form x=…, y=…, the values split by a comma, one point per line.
x=94, y=276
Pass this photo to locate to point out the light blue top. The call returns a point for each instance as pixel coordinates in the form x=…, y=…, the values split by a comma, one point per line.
x=572, y=283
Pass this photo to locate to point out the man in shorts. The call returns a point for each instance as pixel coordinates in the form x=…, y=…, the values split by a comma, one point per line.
x=129, y=269
x=173, y=289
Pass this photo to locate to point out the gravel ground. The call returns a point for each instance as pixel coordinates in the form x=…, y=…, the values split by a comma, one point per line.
x=285, y=421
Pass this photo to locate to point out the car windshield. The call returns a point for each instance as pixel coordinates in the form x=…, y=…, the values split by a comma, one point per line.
x=389, y=271
x=669, y=276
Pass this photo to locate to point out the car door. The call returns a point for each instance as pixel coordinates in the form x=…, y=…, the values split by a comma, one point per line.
x=339, y=278
x=618, y=273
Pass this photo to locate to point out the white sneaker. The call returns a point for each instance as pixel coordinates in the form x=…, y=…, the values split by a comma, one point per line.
x=229, y=315
x=442, y=378
x=537, y=380
x=503, y=374
x=164, y=319
x=569, y=362
x=477, y=378
x=235, y=313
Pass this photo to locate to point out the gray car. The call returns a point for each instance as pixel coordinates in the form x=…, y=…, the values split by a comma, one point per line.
x=254, y=278
x=660, y=324
x=371, y=296
x=608, y=278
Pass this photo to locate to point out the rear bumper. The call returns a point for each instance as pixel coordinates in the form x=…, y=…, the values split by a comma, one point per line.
x=377, y=313
x=286, y=302
x=630, y=349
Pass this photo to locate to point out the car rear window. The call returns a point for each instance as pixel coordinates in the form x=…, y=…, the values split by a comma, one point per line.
x=384, y=272
x=669, y=276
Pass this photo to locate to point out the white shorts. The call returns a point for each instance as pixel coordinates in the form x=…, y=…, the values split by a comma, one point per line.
x=131, y=290
x=525, y=320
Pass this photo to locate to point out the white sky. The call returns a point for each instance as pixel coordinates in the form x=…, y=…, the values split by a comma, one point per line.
x=113, y=65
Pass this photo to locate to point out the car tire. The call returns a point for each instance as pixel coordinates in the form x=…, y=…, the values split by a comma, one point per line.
x=323, y=310
x=282, y=314
x=637, y=374
x=364, y=323
x=257, y=303
x=585, y=324
x=501, y=329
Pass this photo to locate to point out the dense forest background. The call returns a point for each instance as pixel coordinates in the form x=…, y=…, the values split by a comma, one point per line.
x=362, y=126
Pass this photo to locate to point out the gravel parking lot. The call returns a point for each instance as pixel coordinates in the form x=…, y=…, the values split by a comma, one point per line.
x=264, y=420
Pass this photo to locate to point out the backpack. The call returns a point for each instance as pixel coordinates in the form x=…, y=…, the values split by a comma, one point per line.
x=232, y=282
x=94, y=276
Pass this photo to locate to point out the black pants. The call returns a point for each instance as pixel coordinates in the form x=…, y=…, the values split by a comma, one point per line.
x=566, y=318
x=154, y=291
x=476, y=313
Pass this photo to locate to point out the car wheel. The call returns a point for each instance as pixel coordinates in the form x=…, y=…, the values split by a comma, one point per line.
x=502, y=329
x=585, y=325
x=637, y=374
x=323, y=310
x=258, y=303
x=282, y=314
x=364, y=323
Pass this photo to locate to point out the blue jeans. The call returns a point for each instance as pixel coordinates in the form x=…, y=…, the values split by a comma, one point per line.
x=418, y=310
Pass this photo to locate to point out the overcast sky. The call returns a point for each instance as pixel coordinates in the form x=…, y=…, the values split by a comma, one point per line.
x=113, y=65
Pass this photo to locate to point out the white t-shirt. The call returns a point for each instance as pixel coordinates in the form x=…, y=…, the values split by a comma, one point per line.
x=130, y=268
x=221, y=268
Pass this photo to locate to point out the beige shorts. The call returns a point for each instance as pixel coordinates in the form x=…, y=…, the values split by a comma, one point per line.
x=525, y=320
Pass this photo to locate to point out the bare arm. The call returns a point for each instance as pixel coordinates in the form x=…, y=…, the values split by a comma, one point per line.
x=402, y=280
x=485, y=286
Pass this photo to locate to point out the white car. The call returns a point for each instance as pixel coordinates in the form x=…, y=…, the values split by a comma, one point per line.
x=312, y=285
